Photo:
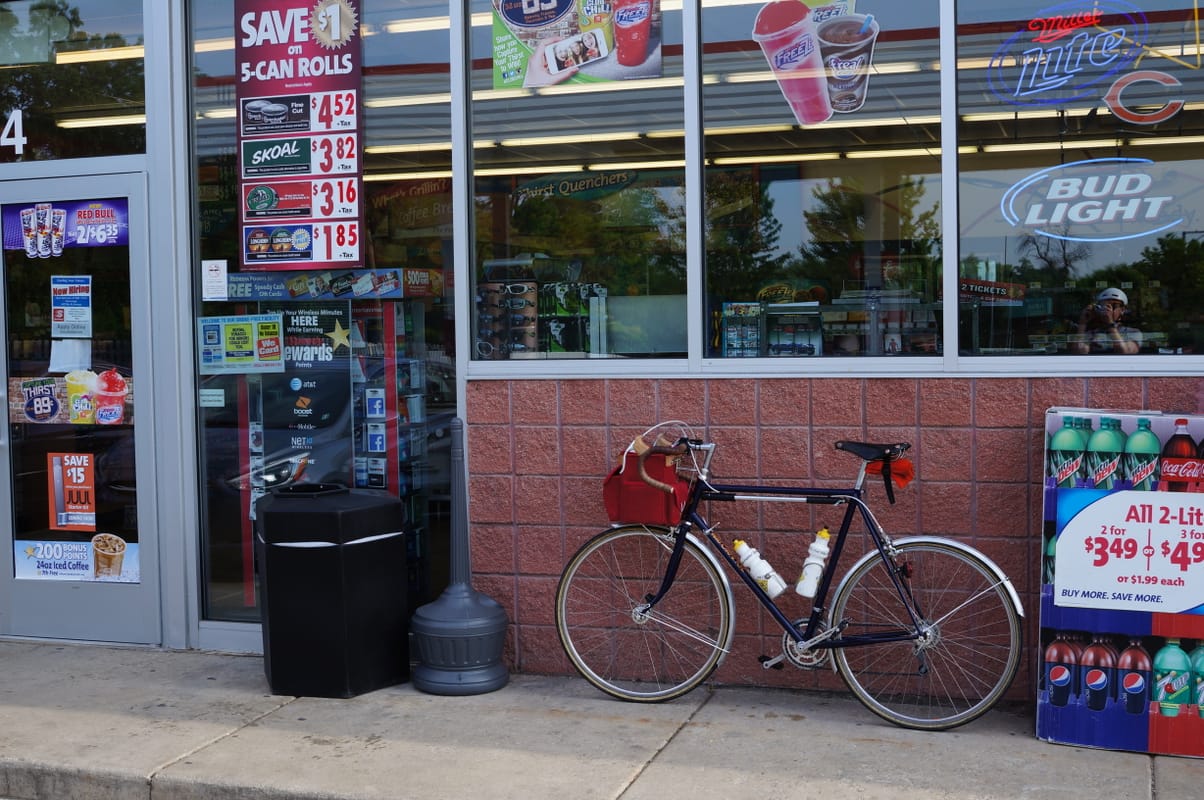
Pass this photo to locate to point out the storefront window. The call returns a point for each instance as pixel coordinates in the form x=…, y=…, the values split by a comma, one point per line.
x=1079, y=126
x=72, y=79
x=325, y=328
x=577, y=113
x=822, y=126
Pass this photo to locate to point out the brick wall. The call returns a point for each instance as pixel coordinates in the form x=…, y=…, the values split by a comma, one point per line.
x=537, y=452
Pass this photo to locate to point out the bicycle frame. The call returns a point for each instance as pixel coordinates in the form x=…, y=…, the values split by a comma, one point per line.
x=703, y=490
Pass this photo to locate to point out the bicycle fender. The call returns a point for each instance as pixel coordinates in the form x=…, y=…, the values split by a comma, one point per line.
x=1004, y=580
x=1013, y=595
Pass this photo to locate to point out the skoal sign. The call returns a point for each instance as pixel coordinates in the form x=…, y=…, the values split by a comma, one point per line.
x=1101, y=200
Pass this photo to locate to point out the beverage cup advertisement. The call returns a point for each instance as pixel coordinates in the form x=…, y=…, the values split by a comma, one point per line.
x=575, y=41
x=847, y=45
x=1122, y=595
x=108, y=553
x=786, y=33
x=821, y=55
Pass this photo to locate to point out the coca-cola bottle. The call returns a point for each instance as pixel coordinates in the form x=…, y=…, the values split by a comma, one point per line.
x=1179, y=460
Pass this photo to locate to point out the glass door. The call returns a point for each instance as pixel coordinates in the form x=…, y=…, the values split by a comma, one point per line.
x=75, y=562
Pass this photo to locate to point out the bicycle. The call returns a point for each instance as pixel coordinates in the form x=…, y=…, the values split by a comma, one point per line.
x=925, y=631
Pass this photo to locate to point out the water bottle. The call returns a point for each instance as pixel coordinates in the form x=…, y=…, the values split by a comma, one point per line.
x=759, y=569
x=813, y=567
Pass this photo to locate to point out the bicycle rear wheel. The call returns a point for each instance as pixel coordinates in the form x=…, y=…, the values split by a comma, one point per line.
x=969, y=644
x=623, y=647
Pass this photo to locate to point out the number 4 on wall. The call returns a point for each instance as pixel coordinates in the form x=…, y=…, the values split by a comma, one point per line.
x=13, y=135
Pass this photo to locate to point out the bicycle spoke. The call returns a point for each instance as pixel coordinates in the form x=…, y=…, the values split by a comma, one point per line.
x=619, y=644
x=966, y=649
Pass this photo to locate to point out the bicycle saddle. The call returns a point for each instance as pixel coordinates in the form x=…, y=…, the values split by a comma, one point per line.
x=874, y=452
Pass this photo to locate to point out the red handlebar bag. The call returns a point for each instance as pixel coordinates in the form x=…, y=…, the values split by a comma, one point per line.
x=630, y=500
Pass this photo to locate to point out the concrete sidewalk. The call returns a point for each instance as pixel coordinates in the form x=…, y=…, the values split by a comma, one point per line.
x=87, y=722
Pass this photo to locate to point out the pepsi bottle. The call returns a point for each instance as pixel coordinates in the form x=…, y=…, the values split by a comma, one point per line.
x=1060, y=668
x=1133, y=673
x=1097, y=668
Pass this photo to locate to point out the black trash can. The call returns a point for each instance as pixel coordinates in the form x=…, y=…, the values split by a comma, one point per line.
x=332, y=582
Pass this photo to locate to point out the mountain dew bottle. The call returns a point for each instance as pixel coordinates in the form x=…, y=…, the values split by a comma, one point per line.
x=1104, y=450
x=1173, y=682
x=1065, y=457
x=1197, y=668
x=1140, y=462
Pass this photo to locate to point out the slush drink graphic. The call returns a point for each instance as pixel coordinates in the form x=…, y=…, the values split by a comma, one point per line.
x=110, y=398
x=847, y=45
x=81, y=396
x=632, y=26
x=786, y=33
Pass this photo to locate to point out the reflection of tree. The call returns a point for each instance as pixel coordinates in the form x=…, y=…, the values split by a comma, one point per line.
x=1176, y=267
x=45, y=92
x=742, y=236
x=837, y=225
x=631, y=240
x=1056, y=258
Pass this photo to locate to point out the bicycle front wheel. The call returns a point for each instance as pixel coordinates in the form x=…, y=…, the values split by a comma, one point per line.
x=621, y=645
x=967, y=646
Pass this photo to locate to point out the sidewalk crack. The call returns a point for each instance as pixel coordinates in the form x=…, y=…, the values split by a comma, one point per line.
x=206, y=744
x=710, y=693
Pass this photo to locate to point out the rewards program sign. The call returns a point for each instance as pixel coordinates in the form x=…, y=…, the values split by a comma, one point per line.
x=299, y=68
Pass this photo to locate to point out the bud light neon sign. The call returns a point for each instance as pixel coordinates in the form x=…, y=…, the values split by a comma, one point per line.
x=1066, y=51
x=1101, y=200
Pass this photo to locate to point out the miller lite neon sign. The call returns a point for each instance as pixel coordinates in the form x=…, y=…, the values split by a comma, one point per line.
x=1067, y=52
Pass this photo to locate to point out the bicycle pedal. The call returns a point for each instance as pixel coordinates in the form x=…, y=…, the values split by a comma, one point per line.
x=770, y=662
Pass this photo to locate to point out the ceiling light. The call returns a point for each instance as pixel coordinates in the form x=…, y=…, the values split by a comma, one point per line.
x=103, y=122
x=1074, y=144
x=103, y=54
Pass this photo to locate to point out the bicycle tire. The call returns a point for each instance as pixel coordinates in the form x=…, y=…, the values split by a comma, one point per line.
x=971, y=642
x=619, y=649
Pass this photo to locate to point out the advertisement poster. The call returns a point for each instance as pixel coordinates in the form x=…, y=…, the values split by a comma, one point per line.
x=306, y=408
x=575, y=41
x=72, y=491
x=44, y=230
x=336, y=284
x=106, y=557
x=71, y=306
x=1122, y=598
x=821, y=55
x=249, y=343
x=298, y=93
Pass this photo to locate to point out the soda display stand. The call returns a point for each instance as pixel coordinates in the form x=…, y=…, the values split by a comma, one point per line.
x=1122, y=598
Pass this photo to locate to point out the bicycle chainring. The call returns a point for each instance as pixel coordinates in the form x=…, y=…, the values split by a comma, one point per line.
x=810, y=658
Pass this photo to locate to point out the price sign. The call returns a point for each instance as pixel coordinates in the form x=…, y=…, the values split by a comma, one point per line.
x=336, y=198
x=337, y=241
x=1136, y=551
x=334, y=111
x=334, y=154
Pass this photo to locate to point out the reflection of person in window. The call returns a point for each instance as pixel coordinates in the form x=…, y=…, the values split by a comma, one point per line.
x=1100, y=329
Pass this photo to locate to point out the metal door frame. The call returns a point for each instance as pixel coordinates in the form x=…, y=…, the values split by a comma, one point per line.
x=77, y=610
